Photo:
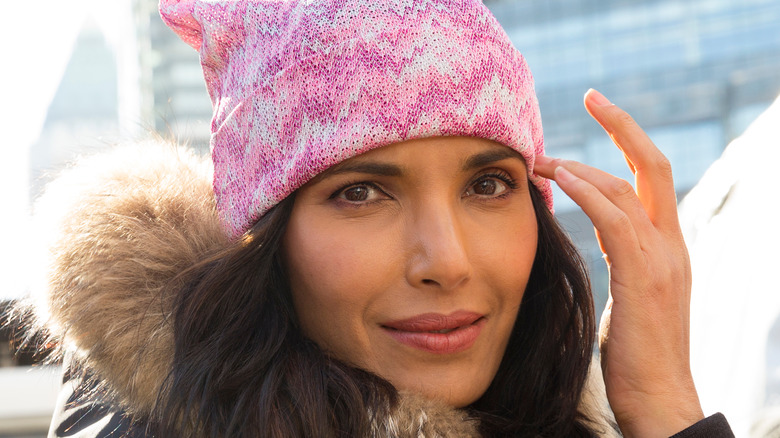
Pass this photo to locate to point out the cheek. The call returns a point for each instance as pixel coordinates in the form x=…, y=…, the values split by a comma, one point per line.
x=505, y=254
x=334, y=278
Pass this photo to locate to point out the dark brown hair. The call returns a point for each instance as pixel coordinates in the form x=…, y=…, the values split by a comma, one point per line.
x=538, y=386
x=242, y=367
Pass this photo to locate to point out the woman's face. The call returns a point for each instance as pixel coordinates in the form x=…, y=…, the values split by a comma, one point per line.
x=411, y=261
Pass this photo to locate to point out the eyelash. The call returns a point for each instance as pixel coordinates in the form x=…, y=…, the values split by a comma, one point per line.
x=504, y=177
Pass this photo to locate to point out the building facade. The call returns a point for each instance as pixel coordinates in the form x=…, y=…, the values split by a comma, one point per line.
x=693, y=74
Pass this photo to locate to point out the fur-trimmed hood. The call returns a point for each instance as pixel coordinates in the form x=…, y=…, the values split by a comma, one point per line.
x=117, y=229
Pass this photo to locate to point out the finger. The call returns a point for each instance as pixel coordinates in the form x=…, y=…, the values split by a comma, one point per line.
x=604, y=327
x=654, y=183
x=617, y=233
x=631, y=166
x=617, y=190
x=601, y=247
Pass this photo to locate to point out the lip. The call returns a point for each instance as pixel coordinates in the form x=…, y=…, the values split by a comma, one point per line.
x=463, y=329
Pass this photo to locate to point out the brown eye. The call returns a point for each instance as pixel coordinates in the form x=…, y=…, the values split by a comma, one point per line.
x=356, y=194
x=360, y=193
x=487, y=187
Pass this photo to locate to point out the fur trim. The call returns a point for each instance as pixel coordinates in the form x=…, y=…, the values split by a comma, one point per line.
x=122, y=225
x=416, y=417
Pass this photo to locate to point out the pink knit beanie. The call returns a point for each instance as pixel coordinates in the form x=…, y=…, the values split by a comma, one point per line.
x=300, y=85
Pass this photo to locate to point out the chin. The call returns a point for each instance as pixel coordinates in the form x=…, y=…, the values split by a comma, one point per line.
x=457, y=392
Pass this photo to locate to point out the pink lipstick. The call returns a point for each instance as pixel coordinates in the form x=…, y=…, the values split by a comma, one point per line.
x=437, y=333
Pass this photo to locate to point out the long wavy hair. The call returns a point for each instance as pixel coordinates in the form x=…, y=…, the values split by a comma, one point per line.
x=242, y=367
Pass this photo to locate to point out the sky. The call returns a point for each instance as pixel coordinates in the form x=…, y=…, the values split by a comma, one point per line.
x=38, y=41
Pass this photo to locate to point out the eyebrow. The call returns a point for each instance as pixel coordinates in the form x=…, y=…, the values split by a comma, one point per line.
x=490, y=157
x=388, y=169
x=367, y=167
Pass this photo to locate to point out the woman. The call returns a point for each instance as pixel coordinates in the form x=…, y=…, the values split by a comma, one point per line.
x=380, y=257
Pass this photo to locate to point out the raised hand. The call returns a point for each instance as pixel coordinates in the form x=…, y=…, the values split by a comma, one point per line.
x=644, y=334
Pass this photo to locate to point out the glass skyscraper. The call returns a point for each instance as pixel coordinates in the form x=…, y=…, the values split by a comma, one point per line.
x=693, y=74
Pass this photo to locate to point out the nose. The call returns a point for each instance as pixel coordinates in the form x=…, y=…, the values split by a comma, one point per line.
x=439, y=252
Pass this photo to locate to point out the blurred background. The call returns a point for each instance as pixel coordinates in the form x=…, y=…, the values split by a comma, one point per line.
x=86, y=74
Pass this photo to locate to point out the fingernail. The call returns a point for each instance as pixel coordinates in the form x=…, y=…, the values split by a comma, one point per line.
x=561, y=174
x=597, y=98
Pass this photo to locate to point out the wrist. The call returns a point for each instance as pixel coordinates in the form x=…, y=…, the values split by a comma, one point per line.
x=663, y=418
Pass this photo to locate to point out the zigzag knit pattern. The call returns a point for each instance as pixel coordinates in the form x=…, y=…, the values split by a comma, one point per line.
x=300, y=85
